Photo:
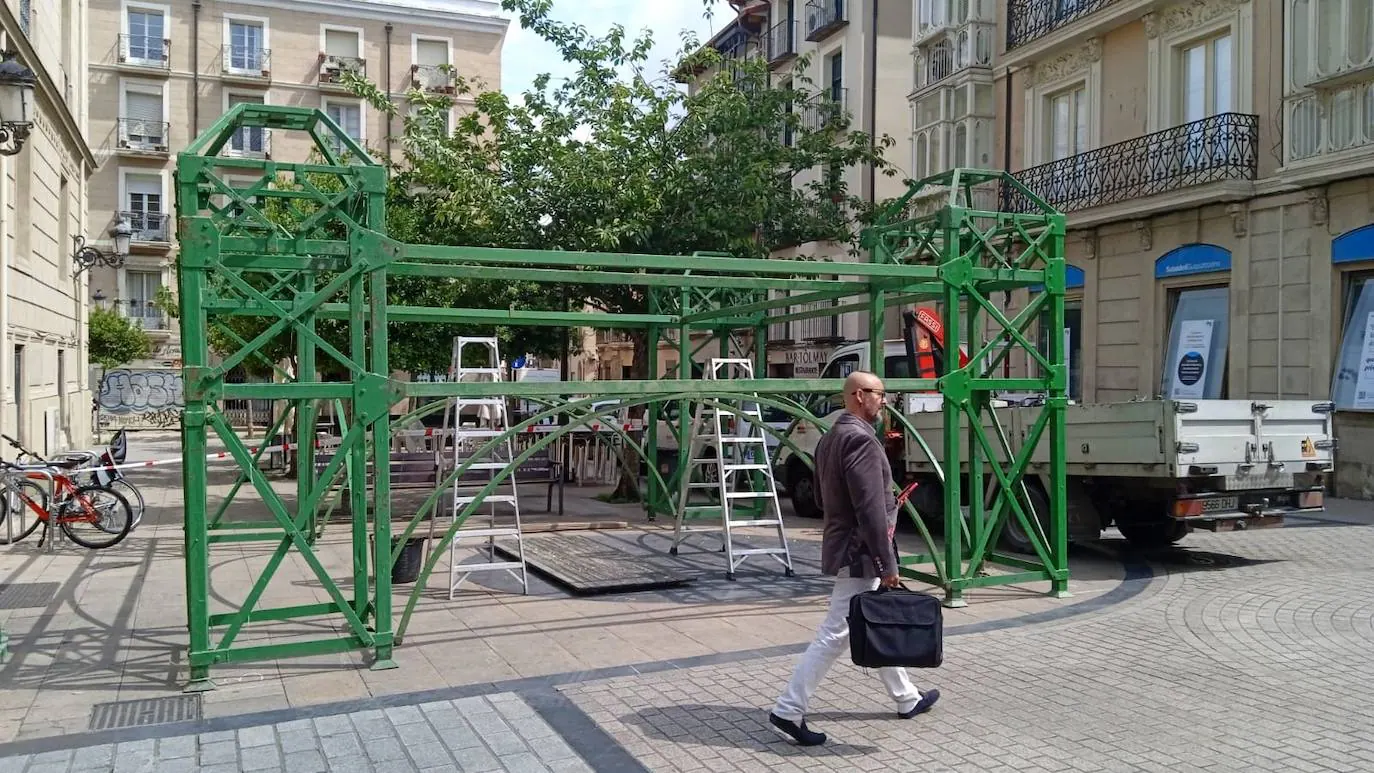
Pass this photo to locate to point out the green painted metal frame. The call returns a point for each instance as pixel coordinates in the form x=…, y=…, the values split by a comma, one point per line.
x=306, y=242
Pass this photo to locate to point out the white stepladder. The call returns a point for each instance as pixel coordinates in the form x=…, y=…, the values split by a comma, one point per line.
x=735, y=437
x=490, y=420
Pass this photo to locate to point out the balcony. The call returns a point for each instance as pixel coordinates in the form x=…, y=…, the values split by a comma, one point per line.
x=957, y=50
x=149, y=228
x=333, y=67
x=433, y=78
x=142, y=136
x=826, y=110
x=1028, y=20
x=1222, y=147
x=145, y=52
x=782, y=42
x=142, y=313
x=252, y=65
x=824, y=18
x=1335, y=124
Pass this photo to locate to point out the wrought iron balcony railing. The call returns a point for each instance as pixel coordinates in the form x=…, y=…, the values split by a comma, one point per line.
x=828, y=108
x=140, y=134
x=1031, y=19
x=433, y=78
x=142, y=313
x=782, y=41
x=1222, y=147
x=145, y=51
x=824, y=17
x=148, y=226
x=250, y=142
x=247, y=61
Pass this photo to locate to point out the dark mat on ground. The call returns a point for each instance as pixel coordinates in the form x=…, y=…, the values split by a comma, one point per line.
x=587, y=564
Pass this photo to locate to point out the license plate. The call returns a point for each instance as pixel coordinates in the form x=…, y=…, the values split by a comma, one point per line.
x=1254, y=480
x=1220, y=504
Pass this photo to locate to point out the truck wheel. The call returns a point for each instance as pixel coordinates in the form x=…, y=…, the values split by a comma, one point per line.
x=1014, y=538
x=1153, y=534
x=802, y=487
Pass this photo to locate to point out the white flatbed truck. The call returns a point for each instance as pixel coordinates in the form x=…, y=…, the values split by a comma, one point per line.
x=1155, y=469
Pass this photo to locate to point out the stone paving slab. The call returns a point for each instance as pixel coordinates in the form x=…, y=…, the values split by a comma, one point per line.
x=115, y=630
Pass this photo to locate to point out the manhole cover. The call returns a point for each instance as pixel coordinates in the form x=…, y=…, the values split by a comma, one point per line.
x=145, y=711
x=26, y=595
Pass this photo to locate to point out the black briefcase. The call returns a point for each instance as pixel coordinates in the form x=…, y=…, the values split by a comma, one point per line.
x=896, y=627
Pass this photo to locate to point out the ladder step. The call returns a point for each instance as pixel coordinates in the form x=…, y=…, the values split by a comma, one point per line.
x=489, y=466
x=508, y=499
x=737, y=467
x=468, y=568
x=466, y=433
x=748, y=494
x=467, y=402
x=760, y=552
x=479, y=371
x=761, y=522
x=508, y=531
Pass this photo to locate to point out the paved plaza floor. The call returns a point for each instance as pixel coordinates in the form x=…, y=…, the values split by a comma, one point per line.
x=1242, y=651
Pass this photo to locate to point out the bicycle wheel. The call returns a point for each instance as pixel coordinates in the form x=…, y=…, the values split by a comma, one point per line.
x=11, y=503
x=111, y=522
x=132, y=494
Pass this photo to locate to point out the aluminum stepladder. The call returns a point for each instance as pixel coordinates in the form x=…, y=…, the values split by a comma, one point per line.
x=490, y=420
x=743, y=473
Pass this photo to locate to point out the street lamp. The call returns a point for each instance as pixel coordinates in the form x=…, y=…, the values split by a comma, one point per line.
x=16, y=103
x=86, y=256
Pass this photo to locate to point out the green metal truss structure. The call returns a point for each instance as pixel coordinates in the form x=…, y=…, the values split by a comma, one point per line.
x=304, y=243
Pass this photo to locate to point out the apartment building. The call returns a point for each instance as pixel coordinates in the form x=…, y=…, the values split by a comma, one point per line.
x=1216, y=161
x=45, y=165
x=858, y=56
x=162, y=72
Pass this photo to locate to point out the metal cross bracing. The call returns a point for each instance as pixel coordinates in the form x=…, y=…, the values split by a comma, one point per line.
x=304, y=243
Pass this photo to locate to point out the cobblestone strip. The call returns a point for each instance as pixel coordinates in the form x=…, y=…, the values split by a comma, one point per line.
x=490, y=733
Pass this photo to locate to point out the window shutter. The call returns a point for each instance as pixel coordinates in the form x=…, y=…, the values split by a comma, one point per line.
x=341, y=43
x=430, y=52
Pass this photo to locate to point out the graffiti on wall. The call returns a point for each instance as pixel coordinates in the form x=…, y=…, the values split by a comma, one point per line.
x=140, y=399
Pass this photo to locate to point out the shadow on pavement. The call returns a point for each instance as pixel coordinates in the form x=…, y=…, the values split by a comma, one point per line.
x=729, y=727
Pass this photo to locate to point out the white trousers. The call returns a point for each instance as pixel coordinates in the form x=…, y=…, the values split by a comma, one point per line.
x=831, y=640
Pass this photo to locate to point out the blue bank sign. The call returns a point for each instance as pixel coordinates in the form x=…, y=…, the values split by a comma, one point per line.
x=1193, y=259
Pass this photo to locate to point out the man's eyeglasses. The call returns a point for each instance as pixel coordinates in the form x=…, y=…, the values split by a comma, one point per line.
x=878, y=392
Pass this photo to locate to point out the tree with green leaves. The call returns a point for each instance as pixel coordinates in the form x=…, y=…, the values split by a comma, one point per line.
x=621, y=158
x=114, y=341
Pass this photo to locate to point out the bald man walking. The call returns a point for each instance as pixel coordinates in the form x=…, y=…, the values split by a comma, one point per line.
x=854, y=489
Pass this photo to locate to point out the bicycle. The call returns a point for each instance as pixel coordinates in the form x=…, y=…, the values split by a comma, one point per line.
x=105, y=510
x=103, y=469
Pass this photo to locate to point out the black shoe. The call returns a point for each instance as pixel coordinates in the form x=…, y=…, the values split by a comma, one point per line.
x=796, y=732
x=926, y=703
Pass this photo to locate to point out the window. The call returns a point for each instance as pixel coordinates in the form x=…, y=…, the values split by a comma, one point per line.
x=143, y=196
x=143, y=125
x=349, y=117
x=1199, y=331
x=1205, y=72
x=141, y=290
x=1352, y=387
x=147, y=35
x=1329, y=37
x=247, y=140
x=1073, y=352
x=1068, y=123
x=837, y=77
x=344, y=43
x=247, y=45
x=431, y=52
x=26, y=17
x=840, y=367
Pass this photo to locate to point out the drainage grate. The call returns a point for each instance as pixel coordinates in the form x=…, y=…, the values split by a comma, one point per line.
x=145, y=711
x=26, y=595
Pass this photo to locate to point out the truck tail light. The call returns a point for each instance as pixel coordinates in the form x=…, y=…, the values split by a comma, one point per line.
x=1187, y=508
